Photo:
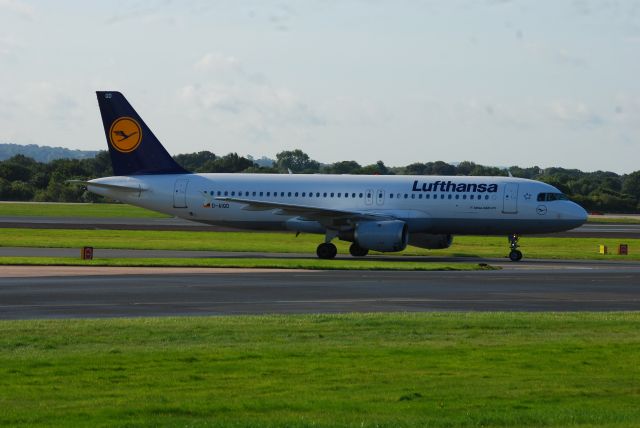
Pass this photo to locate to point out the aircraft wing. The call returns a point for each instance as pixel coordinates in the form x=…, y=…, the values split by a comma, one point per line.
x=323, y=215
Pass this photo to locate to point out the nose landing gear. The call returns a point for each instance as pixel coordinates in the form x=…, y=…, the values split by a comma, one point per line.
x=515, y=255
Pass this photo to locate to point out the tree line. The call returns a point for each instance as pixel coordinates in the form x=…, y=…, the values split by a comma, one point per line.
x=24, y=179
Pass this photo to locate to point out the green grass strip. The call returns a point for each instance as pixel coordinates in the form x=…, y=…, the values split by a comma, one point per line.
x=614, y=220
x=54, y=209
x=311, y=263
x=471, y=246
x=364, y=370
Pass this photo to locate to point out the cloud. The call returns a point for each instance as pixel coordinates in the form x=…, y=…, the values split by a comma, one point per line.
x=505, y=113
x=50, y=101
x=18, y=7
x=137, y=11
x=8, y=45
x=281, y=17
x=563, y=57
x=226, y=93
x=575, y=114
x=214, y=62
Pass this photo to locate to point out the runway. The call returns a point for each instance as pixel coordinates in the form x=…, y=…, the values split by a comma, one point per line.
x=590, y=230
x=68, y=292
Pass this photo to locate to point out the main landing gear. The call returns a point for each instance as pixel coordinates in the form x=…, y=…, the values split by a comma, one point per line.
x=357, y=251
x=515, y=255
x=328, y=251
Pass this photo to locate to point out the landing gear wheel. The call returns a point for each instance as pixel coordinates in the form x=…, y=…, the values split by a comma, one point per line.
x=357, y=251
x=515, y=255
x=326, y=251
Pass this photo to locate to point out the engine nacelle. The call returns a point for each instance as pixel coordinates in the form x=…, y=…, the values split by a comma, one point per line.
x=430, y=241
x=388, y=235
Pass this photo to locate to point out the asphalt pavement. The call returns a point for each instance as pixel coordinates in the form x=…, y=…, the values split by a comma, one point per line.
x=40, y=292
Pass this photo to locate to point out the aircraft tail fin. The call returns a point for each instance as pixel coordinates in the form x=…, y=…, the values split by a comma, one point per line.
x=133, y=148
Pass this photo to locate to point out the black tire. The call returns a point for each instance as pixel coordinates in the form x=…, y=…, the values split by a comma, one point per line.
x=326, y=251
x=515, y=255
x=357, y=251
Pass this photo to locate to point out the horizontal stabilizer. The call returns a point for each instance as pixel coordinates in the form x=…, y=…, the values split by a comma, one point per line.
x=136, y=189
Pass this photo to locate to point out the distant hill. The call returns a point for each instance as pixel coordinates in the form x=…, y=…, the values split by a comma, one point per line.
x=43, y=153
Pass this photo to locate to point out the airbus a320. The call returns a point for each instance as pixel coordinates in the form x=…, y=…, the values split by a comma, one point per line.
x=380, y=213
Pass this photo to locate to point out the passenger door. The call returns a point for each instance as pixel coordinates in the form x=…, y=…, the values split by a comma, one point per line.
x=180, y=194
x=510, y=199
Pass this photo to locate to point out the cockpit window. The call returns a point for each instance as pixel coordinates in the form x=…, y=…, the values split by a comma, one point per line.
x=547, y=197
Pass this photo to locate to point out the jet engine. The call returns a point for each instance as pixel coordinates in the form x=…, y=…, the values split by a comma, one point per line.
x=430, y=241
x=387, y=235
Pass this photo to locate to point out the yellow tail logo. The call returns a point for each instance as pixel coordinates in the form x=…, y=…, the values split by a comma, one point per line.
x=125, y=134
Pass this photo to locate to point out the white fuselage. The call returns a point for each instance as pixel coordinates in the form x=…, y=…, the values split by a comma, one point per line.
x=428, y=204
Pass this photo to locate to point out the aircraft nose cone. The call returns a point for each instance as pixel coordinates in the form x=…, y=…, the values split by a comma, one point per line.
x=584, y=216
x=577, y=214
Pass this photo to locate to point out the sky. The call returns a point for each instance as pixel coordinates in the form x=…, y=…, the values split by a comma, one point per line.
x=546, y=83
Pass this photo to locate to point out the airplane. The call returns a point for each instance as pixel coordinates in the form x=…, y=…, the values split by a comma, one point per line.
x=373, y=212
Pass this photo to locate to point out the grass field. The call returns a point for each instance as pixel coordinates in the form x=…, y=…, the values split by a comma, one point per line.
x=31, y=209
x=485, y=246
x=389, y=370
x=310, y=263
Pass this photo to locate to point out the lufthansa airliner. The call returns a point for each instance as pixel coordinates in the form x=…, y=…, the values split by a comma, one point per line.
x=380, y=213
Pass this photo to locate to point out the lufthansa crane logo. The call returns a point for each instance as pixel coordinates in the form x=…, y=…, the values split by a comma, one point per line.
x=125, y=134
